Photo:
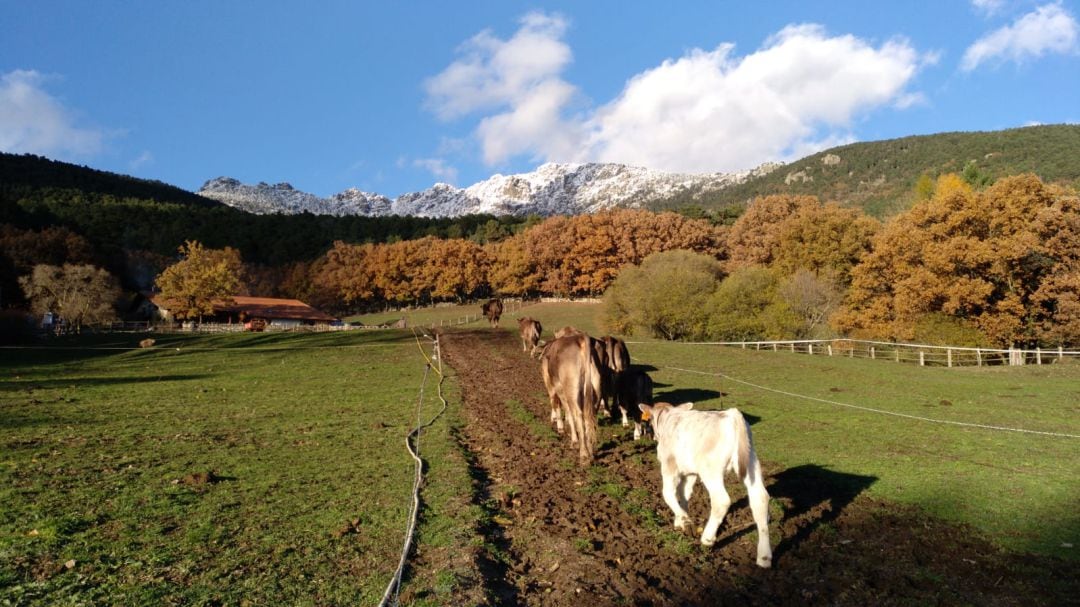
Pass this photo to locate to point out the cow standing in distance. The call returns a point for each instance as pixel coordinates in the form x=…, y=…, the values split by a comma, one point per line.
x=703, y=445
x=572, y=378
x=568, y=330
x=493, y=310
x=530, y=330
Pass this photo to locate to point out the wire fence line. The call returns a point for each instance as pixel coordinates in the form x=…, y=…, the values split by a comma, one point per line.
x=392, y=594
x=923, y=354
x=872, y=409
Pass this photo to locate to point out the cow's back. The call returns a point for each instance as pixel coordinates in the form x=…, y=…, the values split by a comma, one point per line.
x=701, y=442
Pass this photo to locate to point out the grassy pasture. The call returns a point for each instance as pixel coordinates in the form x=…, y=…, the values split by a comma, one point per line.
x=585, y=316
x=231, y=469
x=1020, y=490
x=101, y=452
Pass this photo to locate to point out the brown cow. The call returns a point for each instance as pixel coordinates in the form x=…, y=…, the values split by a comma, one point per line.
x=493, y=310
x=618, y=356
x=530, y=330
x=563, y=332
x=617, y=360
x=572, y=378
x=613, y=357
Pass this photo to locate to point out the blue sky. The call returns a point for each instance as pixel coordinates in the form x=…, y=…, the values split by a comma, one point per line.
x=391, y=97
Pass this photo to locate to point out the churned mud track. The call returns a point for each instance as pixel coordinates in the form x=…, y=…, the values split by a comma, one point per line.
x=563, y=535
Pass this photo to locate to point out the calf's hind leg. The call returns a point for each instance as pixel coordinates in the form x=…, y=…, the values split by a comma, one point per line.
x=672, y=494
x=719, y=502
x=759, y=505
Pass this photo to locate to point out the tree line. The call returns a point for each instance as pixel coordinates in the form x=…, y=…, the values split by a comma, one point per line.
x=970, y=263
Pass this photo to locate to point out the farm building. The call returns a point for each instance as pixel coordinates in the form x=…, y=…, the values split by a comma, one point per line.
x=283, y=313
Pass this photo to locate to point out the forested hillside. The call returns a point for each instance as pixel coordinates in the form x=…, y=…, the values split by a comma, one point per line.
x=881, y=176
x=118, y=212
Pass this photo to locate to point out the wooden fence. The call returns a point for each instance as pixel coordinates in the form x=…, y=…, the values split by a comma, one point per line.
x=922, y=354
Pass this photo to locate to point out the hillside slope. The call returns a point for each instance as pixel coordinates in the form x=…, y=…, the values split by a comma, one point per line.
x=28, y=172
x=880, y=176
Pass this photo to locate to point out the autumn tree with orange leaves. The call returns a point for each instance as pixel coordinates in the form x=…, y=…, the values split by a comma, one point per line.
x=1004, y=261
x=583, y=255
x=405, y=272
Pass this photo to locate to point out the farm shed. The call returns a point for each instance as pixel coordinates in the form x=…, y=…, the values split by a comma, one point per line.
x=284, y=313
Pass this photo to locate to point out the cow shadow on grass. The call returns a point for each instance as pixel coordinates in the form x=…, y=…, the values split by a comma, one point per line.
x=685, y=395
x=816, y=493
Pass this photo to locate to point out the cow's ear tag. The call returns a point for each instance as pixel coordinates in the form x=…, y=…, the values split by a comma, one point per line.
x=645, y=415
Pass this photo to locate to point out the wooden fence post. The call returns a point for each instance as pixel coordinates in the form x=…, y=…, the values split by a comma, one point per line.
x=922, y=358
x=873, y=353
x=810, y=349
x=978, y=356
x=948, y=354
x=830, y=349
x=897, y=351
x=1038, y=355
x=793, y=347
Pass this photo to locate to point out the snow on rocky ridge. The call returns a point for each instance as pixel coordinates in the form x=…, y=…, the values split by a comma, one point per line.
x=552, y=189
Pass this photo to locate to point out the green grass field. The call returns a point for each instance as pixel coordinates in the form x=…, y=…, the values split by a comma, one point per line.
x=105, y=454
x=585, y=316
x=271, y=468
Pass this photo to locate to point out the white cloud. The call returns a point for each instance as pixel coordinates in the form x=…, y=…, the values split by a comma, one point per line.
x=706, y=111
x=1048, y=29
x=33, y=121
x=714, y=111
x=438, y=168
x=518, y=79
x=988, y=7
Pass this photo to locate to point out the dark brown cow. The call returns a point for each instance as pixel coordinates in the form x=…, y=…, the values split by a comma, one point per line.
x=616, y=358
x=572, y=378
x=530, y=330
x=493, y=310
x=634, y=387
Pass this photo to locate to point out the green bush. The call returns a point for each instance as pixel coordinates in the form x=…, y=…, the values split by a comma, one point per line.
x=747, y=306
x=940, y=329
x=666, y=296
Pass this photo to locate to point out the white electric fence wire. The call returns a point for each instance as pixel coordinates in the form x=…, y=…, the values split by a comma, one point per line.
x=168, y=348
x=871, y=409
x=392, y=595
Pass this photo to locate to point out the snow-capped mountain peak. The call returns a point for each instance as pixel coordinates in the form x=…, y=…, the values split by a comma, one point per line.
x=551, y=189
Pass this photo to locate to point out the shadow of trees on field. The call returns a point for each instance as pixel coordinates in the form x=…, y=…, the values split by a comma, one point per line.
x=29, y=384
x=816, y=491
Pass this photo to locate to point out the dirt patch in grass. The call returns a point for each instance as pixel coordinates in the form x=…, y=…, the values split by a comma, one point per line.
x=557, y=534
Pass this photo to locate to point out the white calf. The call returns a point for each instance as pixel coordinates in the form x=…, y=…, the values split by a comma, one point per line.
x=705, y=444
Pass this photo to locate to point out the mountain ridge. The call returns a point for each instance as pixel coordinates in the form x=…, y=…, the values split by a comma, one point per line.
x=551, y=189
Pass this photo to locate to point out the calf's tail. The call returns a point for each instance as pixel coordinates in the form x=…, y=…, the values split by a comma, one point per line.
x=744, y=446
x=590, y=399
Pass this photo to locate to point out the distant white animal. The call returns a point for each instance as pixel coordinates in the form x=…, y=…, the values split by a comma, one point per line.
x=694, y=445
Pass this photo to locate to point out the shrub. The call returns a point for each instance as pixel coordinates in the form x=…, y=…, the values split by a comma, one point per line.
x=747, y=307
x=666, y=296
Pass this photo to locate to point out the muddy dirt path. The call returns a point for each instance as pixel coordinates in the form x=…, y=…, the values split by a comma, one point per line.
x=563, y=535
